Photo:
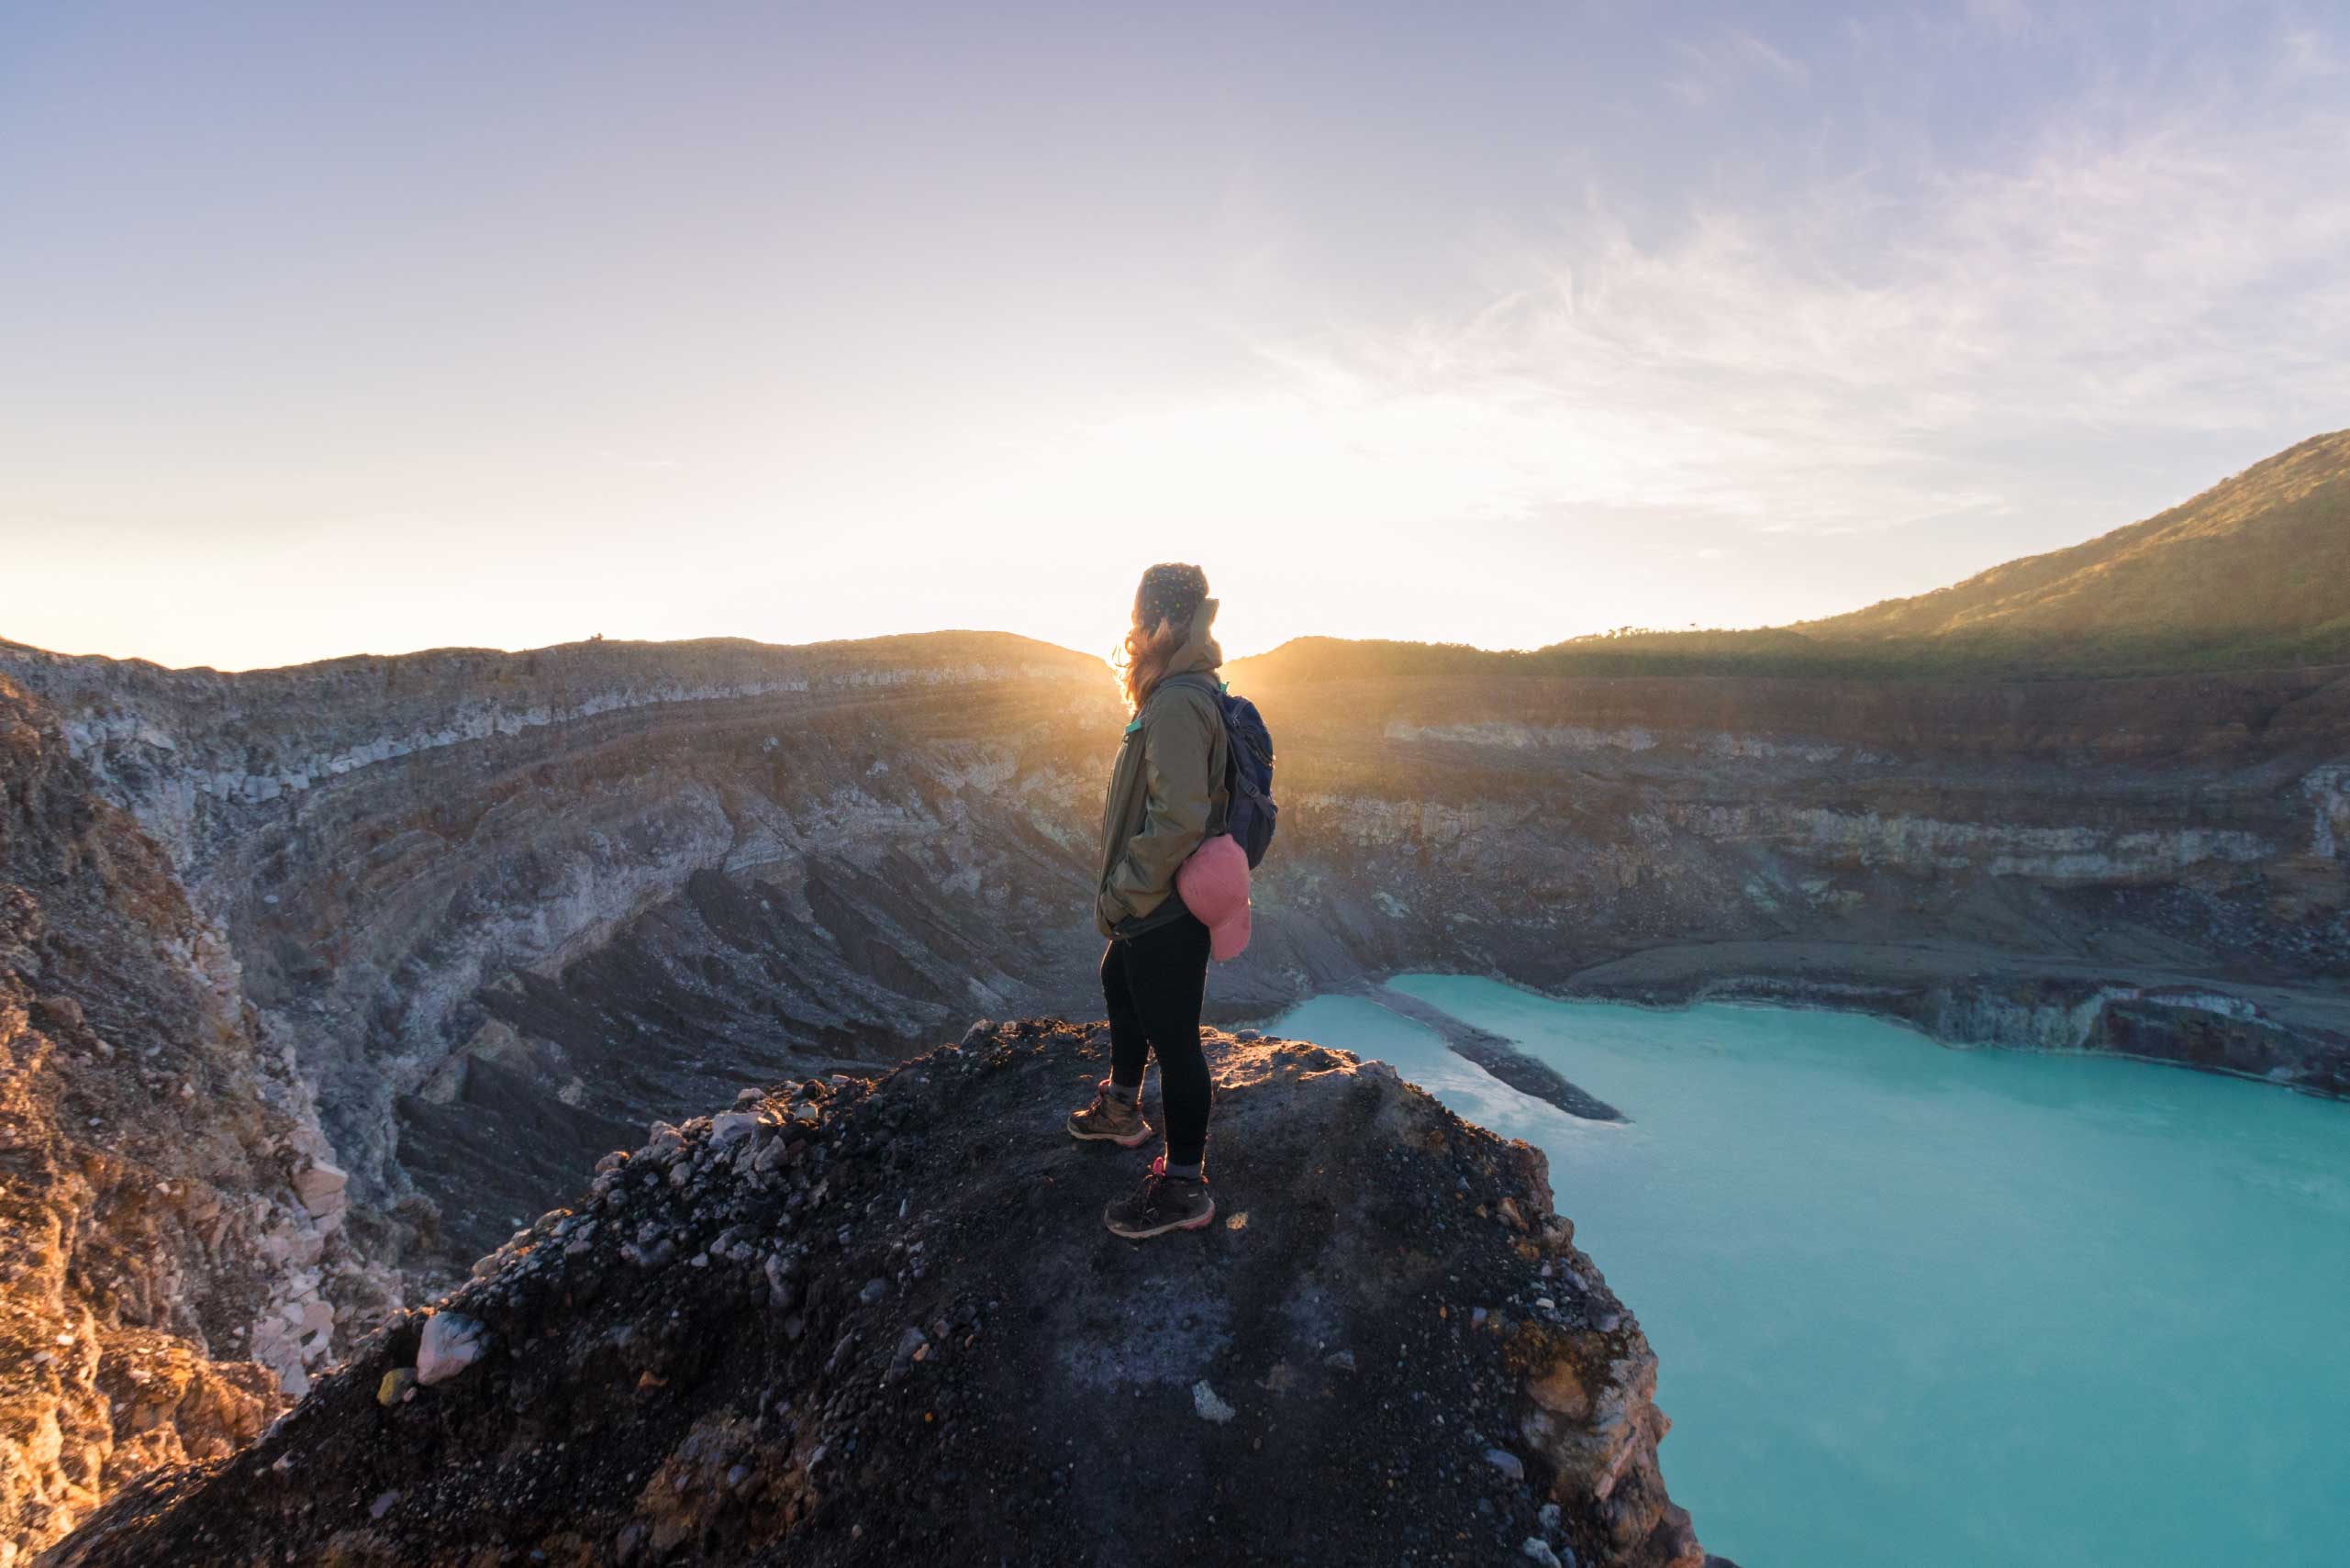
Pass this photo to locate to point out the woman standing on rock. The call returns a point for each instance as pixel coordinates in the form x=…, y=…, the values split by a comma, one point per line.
x=1167, y=799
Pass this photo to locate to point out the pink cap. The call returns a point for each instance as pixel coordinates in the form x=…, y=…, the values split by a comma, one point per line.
x=1215, y=886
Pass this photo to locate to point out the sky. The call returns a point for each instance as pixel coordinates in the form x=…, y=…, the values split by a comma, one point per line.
x=329, y=328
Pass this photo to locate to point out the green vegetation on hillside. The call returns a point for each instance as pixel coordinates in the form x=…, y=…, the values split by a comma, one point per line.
x=2255, y=572
x=2257, y=566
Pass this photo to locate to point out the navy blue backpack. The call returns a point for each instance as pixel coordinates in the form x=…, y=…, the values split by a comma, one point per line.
x=1248, y=771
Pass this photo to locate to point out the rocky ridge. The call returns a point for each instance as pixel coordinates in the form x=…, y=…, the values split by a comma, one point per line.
x=857, y=1320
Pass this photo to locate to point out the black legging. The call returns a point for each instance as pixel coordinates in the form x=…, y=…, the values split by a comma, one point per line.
x=1153, y=984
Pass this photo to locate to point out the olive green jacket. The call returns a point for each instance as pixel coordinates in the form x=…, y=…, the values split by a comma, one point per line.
x=1167, y=792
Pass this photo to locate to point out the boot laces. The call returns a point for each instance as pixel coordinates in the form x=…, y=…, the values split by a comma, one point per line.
x=1154, y=1187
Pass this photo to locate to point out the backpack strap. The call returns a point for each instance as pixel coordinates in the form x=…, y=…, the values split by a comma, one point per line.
x=1216, y=691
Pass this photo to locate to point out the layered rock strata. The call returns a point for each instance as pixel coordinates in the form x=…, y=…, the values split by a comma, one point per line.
x=502, y=906
x=2153, y=866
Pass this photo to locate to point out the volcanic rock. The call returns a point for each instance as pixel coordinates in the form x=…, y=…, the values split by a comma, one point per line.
x=1028, y=1380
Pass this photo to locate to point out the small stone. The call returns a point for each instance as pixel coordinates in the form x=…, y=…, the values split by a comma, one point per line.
x=1341, y=1360
x=911, y=1345
x=732, y=1127
x=452, y=1342
x=1539, y=1550
x=1209, y=1407
x=873, y=1291
x=654, y=1255
x=1508, y=1463
x=320, y=1187
x=381, y=1504
x=394, y=1385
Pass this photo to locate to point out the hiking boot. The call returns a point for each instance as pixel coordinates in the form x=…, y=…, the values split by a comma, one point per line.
x=1161, y=1204
x=1111, y=1117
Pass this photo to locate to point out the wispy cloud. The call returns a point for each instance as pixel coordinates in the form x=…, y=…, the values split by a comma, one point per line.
x=1850, y=358
x=2306, y=53
x=2008, y=16
x=1711, y=67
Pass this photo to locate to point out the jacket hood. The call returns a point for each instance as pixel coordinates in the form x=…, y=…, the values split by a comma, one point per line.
x=1198, y=653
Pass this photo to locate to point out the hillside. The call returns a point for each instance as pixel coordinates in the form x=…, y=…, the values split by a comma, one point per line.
x=2254, y=571
x=854, y=1322
x=2260, y=562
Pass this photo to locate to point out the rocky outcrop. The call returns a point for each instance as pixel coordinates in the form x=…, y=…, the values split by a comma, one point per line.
x=1973, y=996
x=1497, y=1054
x=169, y=1219
x=846, y=1323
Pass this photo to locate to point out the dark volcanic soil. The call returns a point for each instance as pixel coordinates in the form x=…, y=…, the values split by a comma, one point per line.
x=854, y=1322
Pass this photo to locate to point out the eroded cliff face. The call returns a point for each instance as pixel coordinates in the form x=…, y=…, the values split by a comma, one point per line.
x=502, y=909
x=171, y=1218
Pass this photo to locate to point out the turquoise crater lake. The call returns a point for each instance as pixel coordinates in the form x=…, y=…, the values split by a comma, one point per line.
x=1932, y=1307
